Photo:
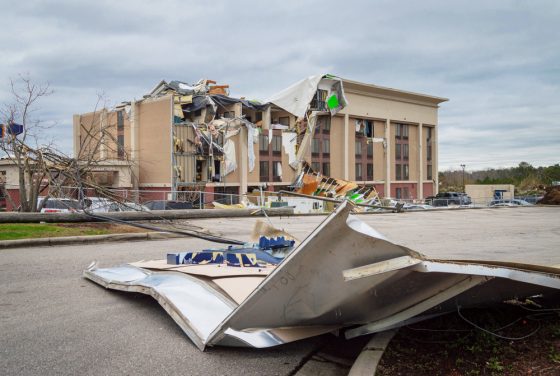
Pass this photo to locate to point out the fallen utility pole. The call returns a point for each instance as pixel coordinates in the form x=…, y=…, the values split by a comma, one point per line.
x=141, y=215
x=397, y=208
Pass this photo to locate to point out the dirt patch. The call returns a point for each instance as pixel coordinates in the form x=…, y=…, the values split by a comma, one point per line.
x=448, y=345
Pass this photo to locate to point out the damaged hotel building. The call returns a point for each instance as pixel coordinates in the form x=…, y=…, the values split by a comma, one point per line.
x=183, y=137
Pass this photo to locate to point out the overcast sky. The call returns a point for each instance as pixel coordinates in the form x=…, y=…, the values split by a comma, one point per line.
x=497, y=61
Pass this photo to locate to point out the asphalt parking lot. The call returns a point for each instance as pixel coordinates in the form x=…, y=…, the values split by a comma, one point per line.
x=55, y=322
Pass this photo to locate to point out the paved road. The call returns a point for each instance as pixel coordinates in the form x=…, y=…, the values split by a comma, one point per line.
x=52, y=321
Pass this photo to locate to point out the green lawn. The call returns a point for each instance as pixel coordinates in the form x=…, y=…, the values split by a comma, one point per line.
x=10, y=231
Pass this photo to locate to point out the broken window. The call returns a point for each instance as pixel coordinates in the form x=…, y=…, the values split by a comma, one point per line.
x=368, y=129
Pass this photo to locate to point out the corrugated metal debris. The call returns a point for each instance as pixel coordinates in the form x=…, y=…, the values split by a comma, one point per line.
x=344, y=275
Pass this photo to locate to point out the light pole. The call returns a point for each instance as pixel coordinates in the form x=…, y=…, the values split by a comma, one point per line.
x=463, y=167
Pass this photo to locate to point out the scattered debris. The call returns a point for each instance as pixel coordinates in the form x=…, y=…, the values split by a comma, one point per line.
x=552, y=196
x=344, y=275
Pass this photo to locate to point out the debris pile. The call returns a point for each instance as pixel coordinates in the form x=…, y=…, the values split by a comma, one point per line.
x=206, y=119
x=552, y=196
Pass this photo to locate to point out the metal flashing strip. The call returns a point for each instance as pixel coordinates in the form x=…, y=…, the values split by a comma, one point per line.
x=343, y=274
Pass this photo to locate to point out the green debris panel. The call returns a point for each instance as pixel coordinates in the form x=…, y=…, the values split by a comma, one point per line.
x=332, y=101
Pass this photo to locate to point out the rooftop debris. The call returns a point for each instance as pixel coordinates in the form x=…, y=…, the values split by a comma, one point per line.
x=552, y=196
x=343, y=276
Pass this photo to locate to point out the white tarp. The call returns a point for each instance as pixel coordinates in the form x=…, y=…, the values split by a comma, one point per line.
x=230, y=163
x=289, y=140
x=296, y=98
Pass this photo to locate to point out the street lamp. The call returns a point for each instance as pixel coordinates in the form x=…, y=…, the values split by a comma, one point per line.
x=463, y=167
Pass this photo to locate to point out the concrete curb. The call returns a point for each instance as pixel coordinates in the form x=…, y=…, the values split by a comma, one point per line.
x=87, y=239
x=367, y=361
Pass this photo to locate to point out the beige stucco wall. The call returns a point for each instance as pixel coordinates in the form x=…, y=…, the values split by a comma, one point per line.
x=154, y=141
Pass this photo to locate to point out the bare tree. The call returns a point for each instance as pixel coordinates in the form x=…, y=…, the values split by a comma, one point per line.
x=42, y=169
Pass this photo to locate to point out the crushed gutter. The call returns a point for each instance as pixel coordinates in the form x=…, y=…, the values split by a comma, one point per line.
x=343, y=276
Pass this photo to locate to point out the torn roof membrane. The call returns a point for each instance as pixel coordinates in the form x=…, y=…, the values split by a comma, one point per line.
x=344, y=274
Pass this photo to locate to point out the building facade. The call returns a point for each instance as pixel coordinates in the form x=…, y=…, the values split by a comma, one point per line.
x=383, y=137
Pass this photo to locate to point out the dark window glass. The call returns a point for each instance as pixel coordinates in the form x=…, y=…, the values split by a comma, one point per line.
x=429, y=152
x=120, y=120
x=405, y=151
x=405, y=131
x=326, y=168
x=120, y=146
x=325, y=124
x=263, y=173
x=399, y=193
x=405, y=172
x=398, y=151
x=397, y=131
x=429, y=172
x=368, y=131
x=370, y=150
x=369, y=171
x=398, y=172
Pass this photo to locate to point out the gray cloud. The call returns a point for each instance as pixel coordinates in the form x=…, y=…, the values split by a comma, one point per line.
x=498, y=62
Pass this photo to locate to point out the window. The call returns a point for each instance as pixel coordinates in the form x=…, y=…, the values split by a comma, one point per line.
x=326, y=146
x=428, y=135
x=359, y=171
x=315, y=146
x=120, y=146
x=258, y=116
x=228, y=114
x=120, y=120
x=284, y=120
x=326, y=168
x=429, y=152
x=358, y=144
x=263, y=143
x=402, y=193
x=429, y=172
x=398, y=151
x=263, y=170
x=399, y=193
x=401, y=131
x=368, y=131
x=405, y=151
x=370, y=150
x=405, y=172
x=326, y=124
x=369, y=171
x=398, y=172
x=316, y=166
x=276, y=144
